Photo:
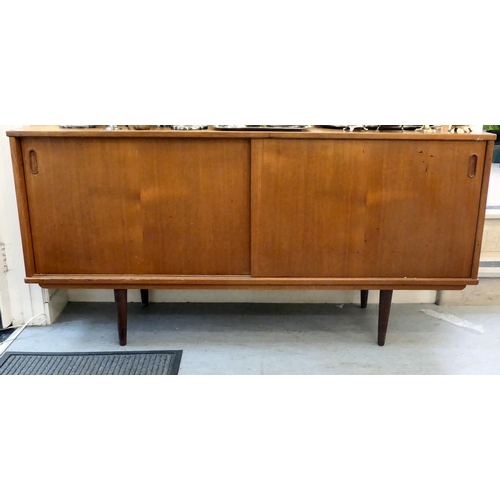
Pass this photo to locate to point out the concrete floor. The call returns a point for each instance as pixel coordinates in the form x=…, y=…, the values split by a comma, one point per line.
x=286, y=339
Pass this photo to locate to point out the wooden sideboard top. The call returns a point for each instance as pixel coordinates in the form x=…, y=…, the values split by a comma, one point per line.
x=313, y=133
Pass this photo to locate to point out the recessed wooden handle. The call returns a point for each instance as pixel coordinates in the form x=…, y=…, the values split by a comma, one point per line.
x=472, y=166
x=33, y=162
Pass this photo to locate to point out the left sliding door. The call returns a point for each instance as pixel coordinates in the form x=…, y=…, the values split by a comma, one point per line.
x=139, y=206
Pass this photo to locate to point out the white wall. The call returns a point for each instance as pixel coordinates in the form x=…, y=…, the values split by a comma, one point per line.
x=20, y=301
x=275, y=296
x=4, y=293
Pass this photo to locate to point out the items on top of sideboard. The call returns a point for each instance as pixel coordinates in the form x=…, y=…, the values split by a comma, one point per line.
x=287, y=128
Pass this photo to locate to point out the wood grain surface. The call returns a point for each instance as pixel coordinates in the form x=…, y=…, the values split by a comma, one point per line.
x=147, y=206
x=137, y=281
x=22, y=205
x=365, y=208
x=263, y=210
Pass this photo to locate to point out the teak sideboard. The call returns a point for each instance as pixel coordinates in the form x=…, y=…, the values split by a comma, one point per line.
x=319, y=209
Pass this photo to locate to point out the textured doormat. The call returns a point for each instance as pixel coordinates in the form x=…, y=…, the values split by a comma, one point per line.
x=91, y=363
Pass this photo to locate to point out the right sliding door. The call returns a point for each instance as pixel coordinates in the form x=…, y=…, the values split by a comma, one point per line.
x=365, y=207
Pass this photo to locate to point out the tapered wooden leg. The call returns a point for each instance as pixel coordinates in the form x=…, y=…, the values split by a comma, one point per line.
x=145, y=297
x=364, y=298
x=121, y=307
x=384, y=311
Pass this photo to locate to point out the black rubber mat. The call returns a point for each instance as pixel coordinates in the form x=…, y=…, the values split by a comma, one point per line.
x=91, y=363
x=5, y=334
